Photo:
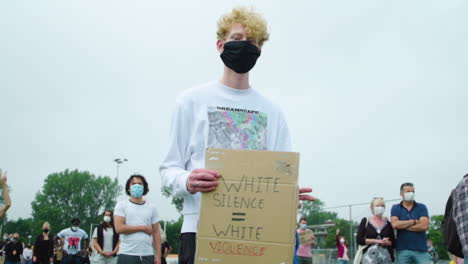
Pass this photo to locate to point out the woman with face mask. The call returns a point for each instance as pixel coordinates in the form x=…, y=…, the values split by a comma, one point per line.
x=376, y=232
x=105, y=241
x=43, y=252
x=14, y=250
x=343, y=253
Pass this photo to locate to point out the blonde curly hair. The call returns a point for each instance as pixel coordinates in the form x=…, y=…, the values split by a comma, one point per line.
x=254, y=23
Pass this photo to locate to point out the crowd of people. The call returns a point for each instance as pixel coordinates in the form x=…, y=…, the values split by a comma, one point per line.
x=401, y=239
x=230, y=114
x=130, y=235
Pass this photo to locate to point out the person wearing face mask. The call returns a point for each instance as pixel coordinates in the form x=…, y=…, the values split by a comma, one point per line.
x=342, y=246
x=72, y=238
x=27, y=255
x=376, y=233
x=137, y=222
x=411, y=220
x=3, y=242
x=106, y=241
x=13, y=250
x=304, y=252
x=227, y=114
x=43, y=252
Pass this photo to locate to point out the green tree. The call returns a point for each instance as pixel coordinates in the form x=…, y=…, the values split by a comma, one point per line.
x=70, y=194
x=24, y=227
x=343, y=225
x=173, y=229
x=315, y=213
x=435, y=234
x=176, y=201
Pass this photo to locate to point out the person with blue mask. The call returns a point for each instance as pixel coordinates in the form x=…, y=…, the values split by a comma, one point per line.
x=137, y=222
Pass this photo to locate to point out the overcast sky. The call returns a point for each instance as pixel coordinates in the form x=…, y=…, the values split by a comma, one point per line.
x=375, y=92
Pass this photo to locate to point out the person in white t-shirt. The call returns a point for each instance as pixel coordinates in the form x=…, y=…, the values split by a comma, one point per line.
x=27, y=255
x=105, y=241
x=228, y=114
x=72, y=238
x=137, y=222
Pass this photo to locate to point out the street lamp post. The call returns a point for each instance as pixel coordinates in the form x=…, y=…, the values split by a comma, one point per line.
x=119, y=161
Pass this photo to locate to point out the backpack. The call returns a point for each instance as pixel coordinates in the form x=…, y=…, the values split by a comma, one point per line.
x=449, y=229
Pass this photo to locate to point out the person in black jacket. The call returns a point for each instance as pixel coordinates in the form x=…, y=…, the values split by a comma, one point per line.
x=3, y=242
x=377, y=233
x=106, y=240
x=13, y=250
x=43, y=252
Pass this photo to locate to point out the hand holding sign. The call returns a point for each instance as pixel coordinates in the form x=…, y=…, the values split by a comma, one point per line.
x=202, y=180
x=305, y=197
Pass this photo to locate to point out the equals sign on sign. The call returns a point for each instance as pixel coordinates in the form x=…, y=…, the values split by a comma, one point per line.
x=238, y=216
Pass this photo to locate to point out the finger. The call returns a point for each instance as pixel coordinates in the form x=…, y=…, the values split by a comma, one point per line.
x=203, y=177
x=204, y=184
x=208, y=171
x=306, y=198
x=210, y=189
x=305, y=190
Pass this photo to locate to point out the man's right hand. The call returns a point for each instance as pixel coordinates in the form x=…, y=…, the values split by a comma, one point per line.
x=3, y=178
x=202, y=180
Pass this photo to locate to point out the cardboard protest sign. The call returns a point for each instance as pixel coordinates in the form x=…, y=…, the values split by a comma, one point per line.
x=306, y=237
x=251, y=217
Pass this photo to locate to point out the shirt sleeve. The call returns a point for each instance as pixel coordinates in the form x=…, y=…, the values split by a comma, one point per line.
x=460, y=213
x=119, y=210
x=173, y=168
x=61, y=234
x=85, y=235
x=395, y=211
x=423, y=212
x=283, y=138
x=95, y=233
x=361, y=234
x=392, y=235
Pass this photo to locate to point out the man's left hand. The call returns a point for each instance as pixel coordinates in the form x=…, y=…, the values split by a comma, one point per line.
x=305, y=197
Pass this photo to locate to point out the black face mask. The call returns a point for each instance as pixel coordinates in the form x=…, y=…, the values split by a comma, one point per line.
x=45, y=230
x=240, y=56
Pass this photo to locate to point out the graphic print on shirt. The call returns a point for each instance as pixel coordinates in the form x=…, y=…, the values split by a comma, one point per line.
x=73, y=243
x=235, y=128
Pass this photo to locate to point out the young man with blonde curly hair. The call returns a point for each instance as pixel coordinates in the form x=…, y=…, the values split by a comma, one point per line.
x=227, y=114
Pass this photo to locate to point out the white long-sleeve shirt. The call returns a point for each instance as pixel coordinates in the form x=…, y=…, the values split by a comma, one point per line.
x=214, y=115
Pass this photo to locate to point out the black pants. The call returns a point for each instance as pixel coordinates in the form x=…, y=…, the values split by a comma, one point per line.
x=187, y=248
x=127, y=259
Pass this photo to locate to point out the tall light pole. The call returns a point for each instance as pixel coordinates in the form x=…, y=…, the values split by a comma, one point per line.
x=119, y=161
